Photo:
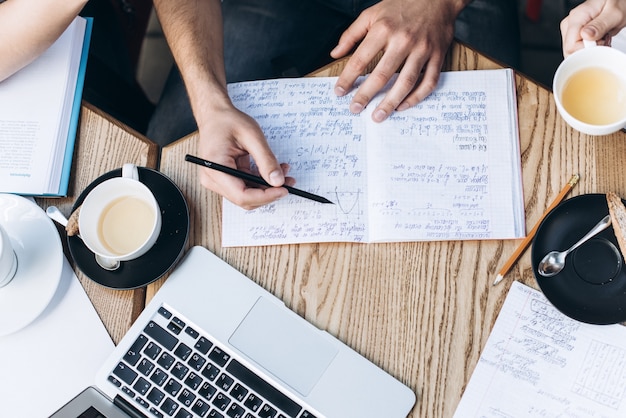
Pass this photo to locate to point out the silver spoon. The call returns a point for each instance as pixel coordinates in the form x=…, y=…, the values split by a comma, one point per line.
x=106, y=263
x=554, y=261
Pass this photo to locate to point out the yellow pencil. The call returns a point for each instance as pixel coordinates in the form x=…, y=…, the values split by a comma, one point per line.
x=522, y=247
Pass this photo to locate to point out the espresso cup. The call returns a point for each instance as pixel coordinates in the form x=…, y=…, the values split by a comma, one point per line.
x=590, y=89
x=8, y=259
x=120, y=219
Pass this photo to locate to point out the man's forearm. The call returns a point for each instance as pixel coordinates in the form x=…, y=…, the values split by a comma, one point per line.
x=194, y=31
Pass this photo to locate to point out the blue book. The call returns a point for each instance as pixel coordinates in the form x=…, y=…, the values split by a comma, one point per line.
x=39, y=112
x=78, y=94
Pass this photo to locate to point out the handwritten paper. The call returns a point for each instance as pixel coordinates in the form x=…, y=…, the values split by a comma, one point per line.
x=446, y=169
x=540, y=363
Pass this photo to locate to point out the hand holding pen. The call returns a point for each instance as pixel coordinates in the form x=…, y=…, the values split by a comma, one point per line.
x=252, y=178
x=232, y=138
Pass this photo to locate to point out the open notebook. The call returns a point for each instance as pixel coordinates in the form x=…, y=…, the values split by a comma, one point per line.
x=212, y=343
x=448, y=168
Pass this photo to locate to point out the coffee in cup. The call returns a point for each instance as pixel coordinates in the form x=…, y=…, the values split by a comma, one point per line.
x=590, y=90
x=120, y=218
x=8, y=259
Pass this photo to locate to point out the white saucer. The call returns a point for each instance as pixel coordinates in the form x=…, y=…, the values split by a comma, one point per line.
x=39, y=262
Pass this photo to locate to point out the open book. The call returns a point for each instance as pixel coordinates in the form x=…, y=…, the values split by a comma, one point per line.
x=39, y=109
x=447, y=169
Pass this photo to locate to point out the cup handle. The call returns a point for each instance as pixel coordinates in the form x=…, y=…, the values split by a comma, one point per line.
x=129, y=170
x=589, y=44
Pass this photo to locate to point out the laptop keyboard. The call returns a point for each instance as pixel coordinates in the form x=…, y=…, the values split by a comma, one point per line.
x=173, y=370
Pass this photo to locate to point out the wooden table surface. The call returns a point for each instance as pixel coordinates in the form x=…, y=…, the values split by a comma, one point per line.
x=422, y=311
x=102, y=145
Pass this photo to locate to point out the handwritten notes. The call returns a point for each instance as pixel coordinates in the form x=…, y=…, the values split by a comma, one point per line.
x=446, y=169
x=540, y=363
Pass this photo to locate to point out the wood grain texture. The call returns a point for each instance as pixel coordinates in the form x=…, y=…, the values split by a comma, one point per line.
x=423, y=310
x=104, y=144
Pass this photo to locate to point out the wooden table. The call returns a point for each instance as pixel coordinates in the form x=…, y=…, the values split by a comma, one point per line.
x=422, y=311
x=102, y=145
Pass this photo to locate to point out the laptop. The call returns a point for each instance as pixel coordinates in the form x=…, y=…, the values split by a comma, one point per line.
x=212, y=343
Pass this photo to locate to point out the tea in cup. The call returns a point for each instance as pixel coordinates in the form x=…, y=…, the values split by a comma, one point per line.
x=8, y=259
x=120, y=219
x=590, y=90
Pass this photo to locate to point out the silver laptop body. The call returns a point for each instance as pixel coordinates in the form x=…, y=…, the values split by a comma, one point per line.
x=236, y=351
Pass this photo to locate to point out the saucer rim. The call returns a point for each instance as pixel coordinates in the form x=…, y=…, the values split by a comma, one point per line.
x=108, y=278
x=45, y=278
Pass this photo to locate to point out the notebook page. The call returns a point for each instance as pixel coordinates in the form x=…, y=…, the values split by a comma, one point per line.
x=328, y=150
x=539, y=363
x=449, y=168
x=313, y=130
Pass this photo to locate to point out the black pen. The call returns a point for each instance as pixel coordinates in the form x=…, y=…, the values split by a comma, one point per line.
x=252, y=178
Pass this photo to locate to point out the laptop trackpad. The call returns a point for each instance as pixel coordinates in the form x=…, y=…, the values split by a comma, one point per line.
x=284, y=344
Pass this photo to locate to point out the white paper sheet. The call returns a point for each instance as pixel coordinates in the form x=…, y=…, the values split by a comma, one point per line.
x=540, y=363
x=54, y=358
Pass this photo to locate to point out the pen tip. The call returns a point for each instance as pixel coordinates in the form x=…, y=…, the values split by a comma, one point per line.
x=499, y=277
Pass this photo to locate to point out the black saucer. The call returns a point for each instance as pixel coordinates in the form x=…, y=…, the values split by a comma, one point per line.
x=161, y=257
x=592, y=286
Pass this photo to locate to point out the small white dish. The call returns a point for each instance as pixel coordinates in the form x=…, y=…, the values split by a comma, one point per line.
x=39, y=251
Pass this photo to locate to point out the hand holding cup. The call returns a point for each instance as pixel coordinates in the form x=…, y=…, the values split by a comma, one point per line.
x=590, y=89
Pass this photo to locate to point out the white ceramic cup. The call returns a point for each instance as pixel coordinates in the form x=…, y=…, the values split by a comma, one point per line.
x=592, y=57
x=120, y=219
x=8, y=259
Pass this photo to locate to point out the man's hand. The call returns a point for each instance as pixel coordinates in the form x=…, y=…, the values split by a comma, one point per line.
x=593, y=20
x=229, y=138
x=413, y=37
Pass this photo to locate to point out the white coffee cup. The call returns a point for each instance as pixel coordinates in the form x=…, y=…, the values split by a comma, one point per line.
x=120, y=219
x=590, y=89
x=8, y=259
